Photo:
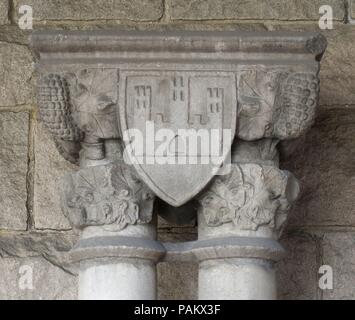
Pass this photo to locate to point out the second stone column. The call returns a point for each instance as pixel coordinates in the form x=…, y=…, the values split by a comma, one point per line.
x=241, y=215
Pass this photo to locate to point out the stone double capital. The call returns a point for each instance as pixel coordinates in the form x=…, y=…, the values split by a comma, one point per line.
x=97, y=89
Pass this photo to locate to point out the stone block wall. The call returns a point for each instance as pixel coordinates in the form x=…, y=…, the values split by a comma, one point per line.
x=321, y=230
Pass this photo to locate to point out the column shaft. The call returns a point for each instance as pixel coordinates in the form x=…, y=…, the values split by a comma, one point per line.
x=236, y=279
x=117, y=279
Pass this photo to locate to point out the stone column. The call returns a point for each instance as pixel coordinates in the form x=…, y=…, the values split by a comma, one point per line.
x=117, y=252
x=242, y=214
x=105, y=199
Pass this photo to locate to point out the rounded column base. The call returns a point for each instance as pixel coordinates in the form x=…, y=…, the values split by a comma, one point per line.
x=117, y=265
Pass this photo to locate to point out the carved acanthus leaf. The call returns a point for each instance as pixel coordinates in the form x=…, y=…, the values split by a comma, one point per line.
x=106, y=195
x=94, y=95
x=250, y=196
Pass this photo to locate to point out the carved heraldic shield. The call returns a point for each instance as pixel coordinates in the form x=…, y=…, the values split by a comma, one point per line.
x=194, y=109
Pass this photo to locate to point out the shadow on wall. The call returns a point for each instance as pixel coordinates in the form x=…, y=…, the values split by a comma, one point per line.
x=324, y=164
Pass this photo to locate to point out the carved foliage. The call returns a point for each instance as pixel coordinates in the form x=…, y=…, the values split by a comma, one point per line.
x=106, y=195
x=250, y=196
x=276, y=103
x=77, y=105
x=94, y=96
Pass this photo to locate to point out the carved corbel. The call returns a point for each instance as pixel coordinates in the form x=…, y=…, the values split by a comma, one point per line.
x=78, y=110
x=276, y=103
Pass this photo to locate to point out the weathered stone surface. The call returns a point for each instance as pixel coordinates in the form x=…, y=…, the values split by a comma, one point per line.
x=48, y=281
x=339, y=253
x=201, y=26
x=50, y=167
x=177, y=234
x=253, y=9
x=297, y=272
x=15, y=75
x=325, y=166
x=352, y=7
x=93, y=95
x=110, y=195
x=4, y=11
x=12, y=33
x=251, y=196
x=338, y=67
x=162, y=26
x=54, y=247
x=338, y=58
x=337, y=90
x=337, y=72
x=93, y=10
x=177, y=281
x=14, y=129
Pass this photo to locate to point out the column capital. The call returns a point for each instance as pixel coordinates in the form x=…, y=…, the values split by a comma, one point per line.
x=251, y=196
x=108, y=195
